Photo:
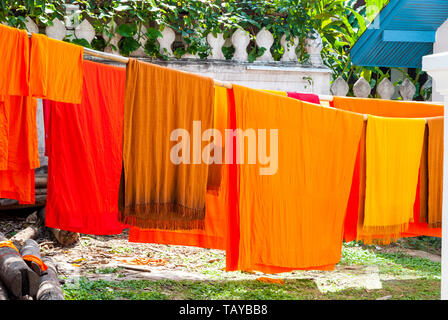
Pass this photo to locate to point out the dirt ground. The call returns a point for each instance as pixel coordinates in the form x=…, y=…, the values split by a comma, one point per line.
x=108, y=257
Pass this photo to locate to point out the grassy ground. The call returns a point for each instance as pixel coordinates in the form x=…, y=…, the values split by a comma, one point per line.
x=400, y=276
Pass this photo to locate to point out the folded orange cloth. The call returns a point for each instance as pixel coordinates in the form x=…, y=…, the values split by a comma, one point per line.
x=293, y=218
x=38, y=261
x=56, y=69
x=156, y=192
x=14, y=61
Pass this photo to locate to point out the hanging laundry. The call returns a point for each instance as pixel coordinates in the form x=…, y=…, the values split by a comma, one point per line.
x=435, y=171
x=14, y=61
x=418, y=228
x=56, y=69
x=154, y=191
x=4, y=135
x=18, y=185
x=393, y=153
x=421, y=198
x=317, y=149
x=212, y=237
x=20, y=155
x=219, y=124
x=354, y=202
x=214, y=234
x=281, y=93
x=308, y=97
x=84, y=155
x=388, y=108
x=233, y=218
x=20, y=115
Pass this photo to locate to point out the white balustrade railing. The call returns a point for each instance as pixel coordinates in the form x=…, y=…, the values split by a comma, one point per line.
x=73, y=27
x=240, y=40
x=385, y=89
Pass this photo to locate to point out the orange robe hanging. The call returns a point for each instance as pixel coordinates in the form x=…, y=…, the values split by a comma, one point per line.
x=14, y=61
x=20, y=155
x=388, y=108
x=216, y=204
x=293, y=219
x=56, y=69
x=84, y=155
x=385, y=108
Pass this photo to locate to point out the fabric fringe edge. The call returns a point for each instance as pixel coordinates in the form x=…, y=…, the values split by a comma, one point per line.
x=165, y=216
x=382, y=235
x=435, y=225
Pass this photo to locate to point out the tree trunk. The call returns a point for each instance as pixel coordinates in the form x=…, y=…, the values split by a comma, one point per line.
x=65, y=238
x=50, y=288
x=15, y=274
x=3, y=292
x=32, y=248
x=40, y=182
x=31, y=232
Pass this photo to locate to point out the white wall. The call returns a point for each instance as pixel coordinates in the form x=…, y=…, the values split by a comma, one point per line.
x=441, y=45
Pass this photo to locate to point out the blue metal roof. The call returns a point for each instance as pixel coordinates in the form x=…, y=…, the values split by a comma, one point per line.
x=401, y=34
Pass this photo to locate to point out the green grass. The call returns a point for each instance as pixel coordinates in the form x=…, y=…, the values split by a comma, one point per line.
x=397, y=264
x=419, y=289
x=402, y=276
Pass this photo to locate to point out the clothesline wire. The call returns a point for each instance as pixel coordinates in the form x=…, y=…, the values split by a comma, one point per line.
x=228, y=85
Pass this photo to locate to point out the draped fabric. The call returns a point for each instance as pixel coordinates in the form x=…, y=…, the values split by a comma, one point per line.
x=355, y=205
x=421, y=198
x=155, y=192
x=435, y=171
x=217, y=205
x=14, y=61
x=84, y=151
x=233, y=218
x=308, y=97
x=392, y=109
x=281, y=93
x=18, y=129
x=293, y=218
x=213, y=236
x=219, y=127
x=56, y=72
x=20, y=156
x=388, y=108
x=393, y=154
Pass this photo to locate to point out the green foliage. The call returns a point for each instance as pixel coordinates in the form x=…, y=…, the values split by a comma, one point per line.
x=14, y=13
